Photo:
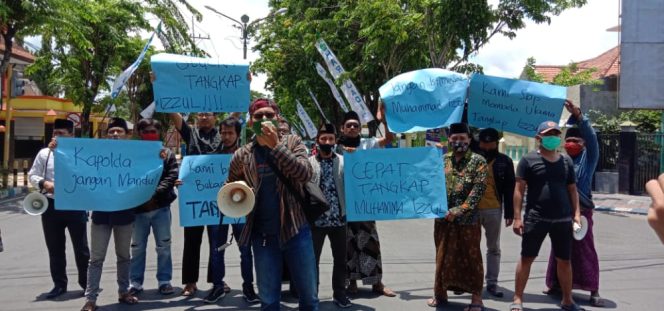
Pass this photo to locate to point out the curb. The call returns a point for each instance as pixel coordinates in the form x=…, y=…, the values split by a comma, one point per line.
x=634, y=211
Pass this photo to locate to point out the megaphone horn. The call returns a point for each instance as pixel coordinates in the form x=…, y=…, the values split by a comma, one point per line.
x=235, y=199
x=35, y=204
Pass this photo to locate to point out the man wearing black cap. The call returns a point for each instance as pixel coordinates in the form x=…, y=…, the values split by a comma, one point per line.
x=54, y=222
x=118, y=224
x=327, y=167
x=552, y=206
x=457, y=236
x=364, y=258
x=582, y=146
x=497, y=196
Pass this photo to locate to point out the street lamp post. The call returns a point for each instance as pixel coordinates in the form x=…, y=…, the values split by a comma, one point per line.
x=244, y=25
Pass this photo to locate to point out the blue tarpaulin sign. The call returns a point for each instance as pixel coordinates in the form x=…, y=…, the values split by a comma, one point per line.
x=192, y=84
x=424, y=99
x=514, y=106
x=105, y=174
x=202, y=176
x=395, y=183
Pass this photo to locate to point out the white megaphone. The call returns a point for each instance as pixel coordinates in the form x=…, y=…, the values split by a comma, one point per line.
x=35, y=204
x=235, y=199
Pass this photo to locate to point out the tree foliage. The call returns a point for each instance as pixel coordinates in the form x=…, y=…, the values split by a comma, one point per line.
x=93, y=41
x=376, y=40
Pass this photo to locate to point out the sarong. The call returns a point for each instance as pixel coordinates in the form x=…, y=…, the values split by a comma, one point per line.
x=585, y=264
x=363, y=260
x=458, y=258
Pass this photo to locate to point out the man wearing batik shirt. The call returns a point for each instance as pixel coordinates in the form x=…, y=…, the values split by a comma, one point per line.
x=457, y=236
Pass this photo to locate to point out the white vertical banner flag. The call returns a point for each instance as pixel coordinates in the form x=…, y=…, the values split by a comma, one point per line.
x=122, y=78
x=348, y=87
x=308, y=124
x=318, y=105
x=323, y=74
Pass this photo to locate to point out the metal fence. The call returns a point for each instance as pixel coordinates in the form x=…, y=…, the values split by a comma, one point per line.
x=609, y=149
x=647, y=159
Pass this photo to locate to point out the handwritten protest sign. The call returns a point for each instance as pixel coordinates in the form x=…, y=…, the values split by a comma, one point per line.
x=399, y=183
x=202, y=176
x=424, y=99
x=511, y=105
x=192, y=84
x=105, y=174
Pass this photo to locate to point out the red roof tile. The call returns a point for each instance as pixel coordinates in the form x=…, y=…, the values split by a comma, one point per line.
x=607, y=64
x=18, y=52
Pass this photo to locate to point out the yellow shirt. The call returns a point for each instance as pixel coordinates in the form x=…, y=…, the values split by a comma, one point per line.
x=490, y=198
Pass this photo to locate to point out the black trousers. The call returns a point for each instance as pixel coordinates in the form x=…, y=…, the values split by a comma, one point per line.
x=191, y=255
x=337, y=236
x=55, y=223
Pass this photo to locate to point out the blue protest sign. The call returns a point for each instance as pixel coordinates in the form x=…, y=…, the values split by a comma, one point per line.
x=202, y=176
x=396, y=183
x=424, y=99
x=511, y=105
x=105, y=174
x=192, y=84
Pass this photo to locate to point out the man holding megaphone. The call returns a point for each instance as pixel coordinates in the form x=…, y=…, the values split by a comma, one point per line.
x=54, y=222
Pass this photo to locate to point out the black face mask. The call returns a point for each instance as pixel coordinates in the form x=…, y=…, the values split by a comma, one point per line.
x=349, y=142
x=489, y=155
x=325, y=148
x=459, y=146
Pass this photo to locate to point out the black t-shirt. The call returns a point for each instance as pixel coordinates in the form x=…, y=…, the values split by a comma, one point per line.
x=200, y=142
x=547, y=183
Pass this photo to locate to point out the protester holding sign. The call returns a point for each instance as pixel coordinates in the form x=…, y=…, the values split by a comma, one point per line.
x=552, y=206
x=54, y=222
x=230, y=137
x=582, y=146
x=363, y=259
x=328, y=173
x=457, y=236
x=104, y=224
x=204, y=139
x=154, y=215
x=498, y=196
x=277, y=227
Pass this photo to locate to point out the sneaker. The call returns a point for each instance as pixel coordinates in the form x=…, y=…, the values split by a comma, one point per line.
x=166, y=289
x=342, y=302
x=215, y=294
x=250, y=295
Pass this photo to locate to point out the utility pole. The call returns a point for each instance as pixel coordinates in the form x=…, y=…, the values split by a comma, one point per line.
x=193, y=35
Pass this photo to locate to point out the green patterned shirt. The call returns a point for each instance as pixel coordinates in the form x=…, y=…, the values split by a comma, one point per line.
x=466, y=182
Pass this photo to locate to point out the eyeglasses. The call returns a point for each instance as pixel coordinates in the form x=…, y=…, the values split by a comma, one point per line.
x=261, y=115
x=352, y=125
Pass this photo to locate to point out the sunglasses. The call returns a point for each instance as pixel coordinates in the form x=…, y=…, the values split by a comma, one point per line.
x=261, y=115
x=352, y=125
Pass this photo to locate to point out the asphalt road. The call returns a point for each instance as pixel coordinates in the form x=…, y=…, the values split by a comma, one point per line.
x=631, y=263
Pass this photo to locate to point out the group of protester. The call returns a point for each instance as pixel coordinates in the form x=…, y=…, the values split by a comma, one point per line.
x=279, y=234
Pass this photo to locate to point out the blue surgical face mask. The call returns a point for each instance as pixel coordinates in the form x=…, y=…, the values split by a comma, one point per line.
x=551, y=142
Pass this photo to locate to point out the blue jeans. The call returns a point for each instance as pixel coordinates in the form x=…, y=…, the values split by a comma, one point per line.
x=246, y=259
x=160, y=222
x=298, y=253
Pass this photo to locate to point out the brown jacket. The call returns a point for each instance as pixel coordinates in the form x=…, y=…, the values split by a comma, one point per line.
x=290, y=157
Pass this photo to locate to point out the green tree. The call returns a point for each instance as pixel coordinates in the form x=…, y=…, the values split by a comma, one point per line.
x=376, y=40
x=95, y=40
x=21, y=17
x=529, y=72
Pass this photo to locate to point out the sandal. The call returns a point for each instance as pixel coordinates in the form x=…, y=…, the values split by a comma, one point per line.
x=553, y=291
x=89, y=306
x=472, y=306
x=128, y=299
x=572, y=307
x=597, y=301
x=382, y=290
x=516, y=307
x=435, y=302
x=189, y=290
